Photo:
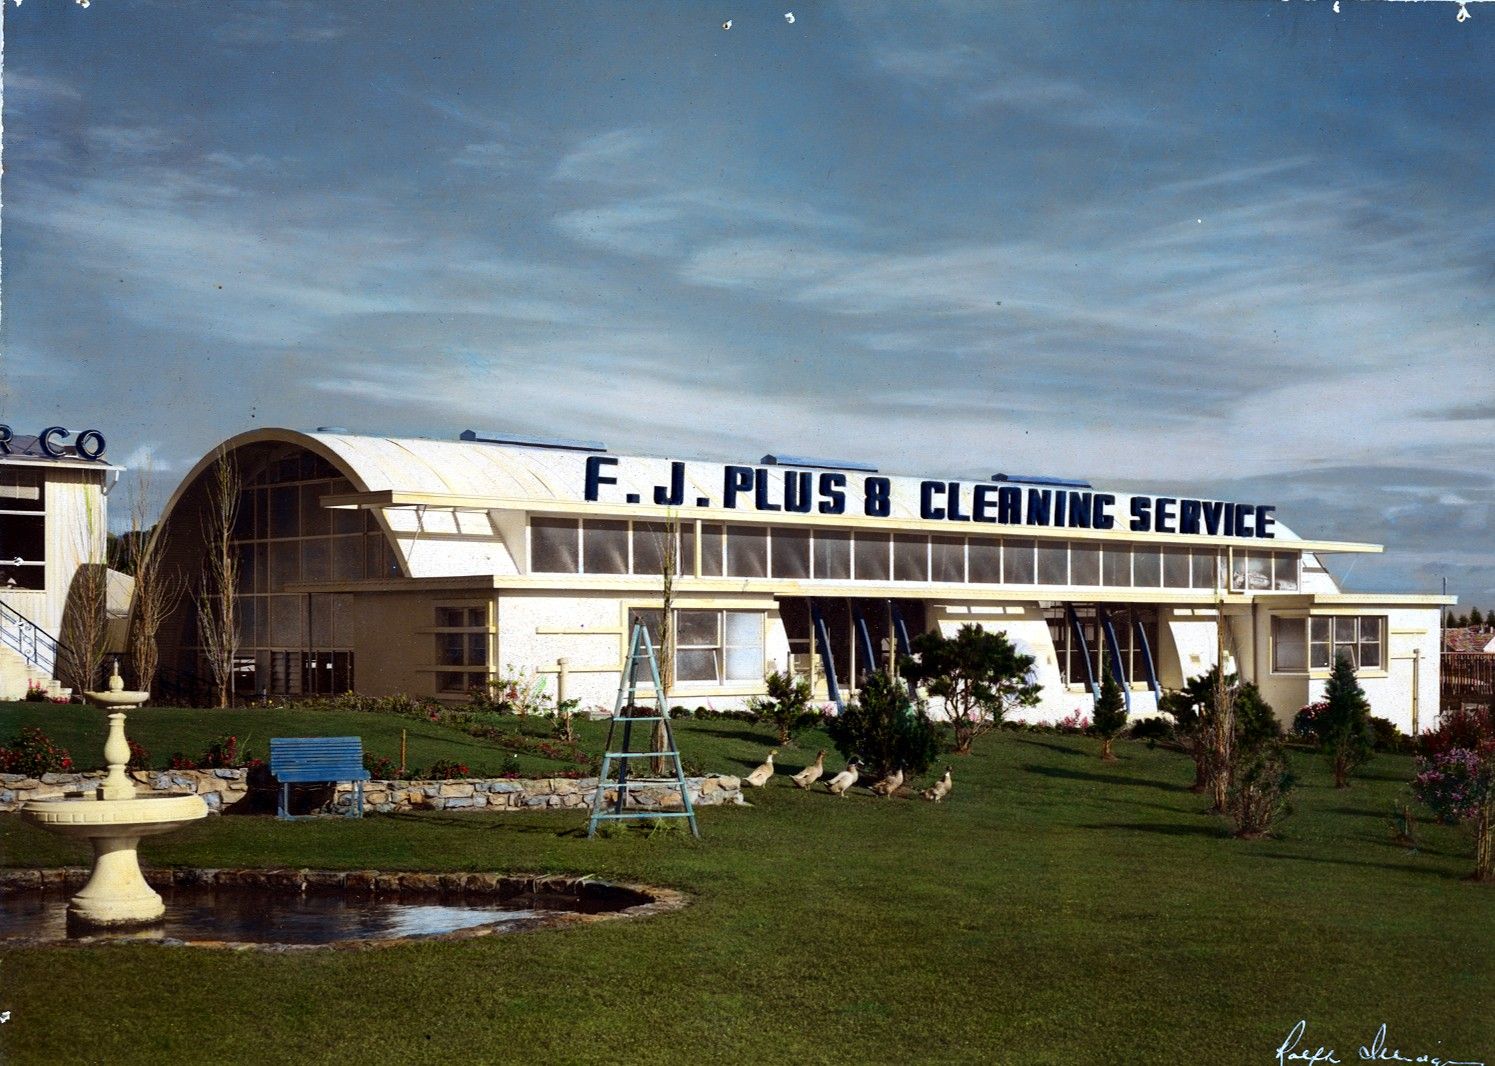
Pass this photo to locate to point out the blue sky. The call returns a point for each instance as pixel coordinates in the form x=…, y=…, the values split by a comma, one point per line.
x=1239, y=249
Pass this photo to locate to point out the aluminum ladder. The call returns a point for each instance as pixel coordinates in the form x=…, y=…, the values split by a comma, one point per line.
x=640, y=651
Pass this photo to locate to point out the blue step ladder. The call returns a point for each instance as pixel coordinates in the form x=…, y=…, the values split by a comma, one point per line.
x=640, y=651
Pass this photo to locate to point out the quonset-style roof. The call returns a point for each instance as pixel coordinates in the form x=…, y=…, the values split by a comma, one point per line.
x=432, y=494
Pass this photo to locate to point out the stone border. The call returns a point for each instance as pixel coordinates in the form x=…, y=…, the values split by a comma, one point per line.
x=224, y=790
x=647, y=900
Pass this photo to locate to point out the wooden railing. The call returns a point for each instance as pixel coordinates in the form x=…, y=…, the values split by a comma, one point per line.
x=1467, y=677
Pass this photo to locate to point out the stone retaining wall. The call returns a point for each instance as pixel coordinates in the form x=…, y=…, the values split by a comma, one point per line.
x=228, y=789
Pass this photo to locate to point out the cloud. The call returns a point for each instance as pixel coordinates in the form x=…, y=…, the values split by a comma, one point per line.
x=277, y=22
x=618, y=157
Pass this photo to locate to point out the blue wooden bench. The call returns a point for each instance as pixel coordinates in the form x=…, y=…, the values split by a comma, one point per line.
x=317, y=760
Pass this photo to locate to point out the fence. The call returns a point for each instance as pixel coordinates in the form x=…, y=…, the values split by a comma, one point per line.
x=1467, y=677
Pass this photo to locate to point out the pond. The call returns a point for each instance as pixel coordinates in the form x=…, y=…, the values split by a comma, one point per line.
x=268, y=917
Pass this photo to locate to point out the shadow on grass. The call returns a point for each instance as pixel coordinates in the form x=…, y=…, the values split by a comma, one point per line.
x=1106, y=779
x=747, y=735
x=1218, y=832
x=1394, y=867
x=1060, y=748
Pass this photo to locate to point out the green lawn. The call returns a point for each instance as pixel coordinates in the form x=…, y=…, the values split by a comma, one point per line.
x=164, y=730
x=1055, y=910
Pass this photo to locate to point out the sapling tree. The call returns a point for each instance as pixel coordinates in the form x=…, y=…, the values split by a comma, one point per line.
x=787, y=703
x=1345, y=733
x=1110, y=712
x=85, y=622
x=979, y=675
x=886, y=728
x=1192, y=709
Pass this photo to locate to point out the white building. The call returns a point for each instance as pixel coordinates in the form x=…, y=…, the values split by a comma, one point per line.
x=427, y=566
x=53, y=519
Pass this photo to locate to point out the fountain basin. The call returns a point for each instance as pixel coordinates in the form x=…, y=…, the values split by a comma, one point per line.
x=122, y=699
x=286, y=909
x=116, y=895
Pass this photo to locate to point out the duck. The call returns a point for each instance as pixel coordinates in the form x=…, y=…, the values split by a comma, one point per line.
x=841, y=784
x=941, y=788
x=890, y=784
x=812, y=773
x=759, y=777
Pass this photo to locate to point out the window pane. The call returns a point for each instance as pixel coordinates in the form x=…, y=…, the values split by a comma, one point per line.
x=314, y=559
x=747, y=551
x=1285, y=571
x=604, y=547
x=1176, y=568
x=648, y=548
x=744, y=628
x=1289, y=645
x=448, y=616
x=833, y=554
x=448, y=649
x=477, y=616
x=1258, y=571
x=910, y=557
x=347, y=558
x=686, y=564
x=791, y=552
x=1084, y=563
x=451, y=682
x=745, y=664
x=1370, y=654
x=696, y=664
x=477, y=649
x=948, y=562
x=553, y=545
x=696, y=628
x=1017, y=562
x=711, y=551
x=1347, y=651
x=1053, y=562
x=1116, y=564
x=1344, y=631
x=1202, y=569
x=872, y=557
x=1318, y=655
x=285, y=621
x=285, y=563
x=1147, y=568
x=1318, y=629
x=315, y=520
x=1238, y=571
x=284, y=513
x=985, y=561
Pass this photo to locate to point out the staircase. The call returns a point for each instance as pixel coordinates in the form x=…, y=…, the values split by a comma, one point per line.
x=27, y=653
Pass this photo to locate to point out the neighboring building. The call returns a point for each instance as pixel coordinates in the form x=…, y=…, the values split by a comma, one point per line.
x=53, y=519
x=427, y=566
x=1470, y=640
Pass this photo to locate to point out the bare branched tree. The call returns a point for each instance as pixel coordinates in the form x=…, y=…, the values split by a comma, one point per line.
x=1222, y=735
x=85, y=620
x=669, y=558
x=220, y=577
x=157, y=590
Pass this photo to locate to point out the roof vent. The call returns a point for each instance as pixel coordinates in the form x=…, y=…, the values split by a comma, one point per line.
x=332, y=429
x=558, y=443
x=1058, y=482
x=826, y=464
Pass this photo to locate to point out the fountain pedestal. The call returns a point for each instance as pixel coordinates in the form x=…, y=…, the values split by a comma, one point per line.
x=113, y=821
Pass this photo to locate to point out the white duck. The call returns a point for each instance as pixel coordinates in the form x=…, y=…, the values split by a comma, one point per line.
x=941, y=788
x=842, y=782
x=890, y=784
x=759, y=777
x=812, y=773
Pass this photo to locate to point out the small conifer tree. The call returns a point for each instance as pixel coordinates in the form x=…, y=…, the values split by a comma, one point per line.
x=1345, y=732
x=1475, y=618
x=1110, y=712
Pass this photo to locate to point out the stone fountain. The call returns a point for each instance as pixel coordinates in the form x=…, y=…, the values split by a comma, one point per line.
x=113, y=821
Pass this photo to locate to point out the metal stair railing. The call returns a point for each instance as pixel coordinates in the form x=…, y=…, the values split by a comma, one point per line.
x=28, y=640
